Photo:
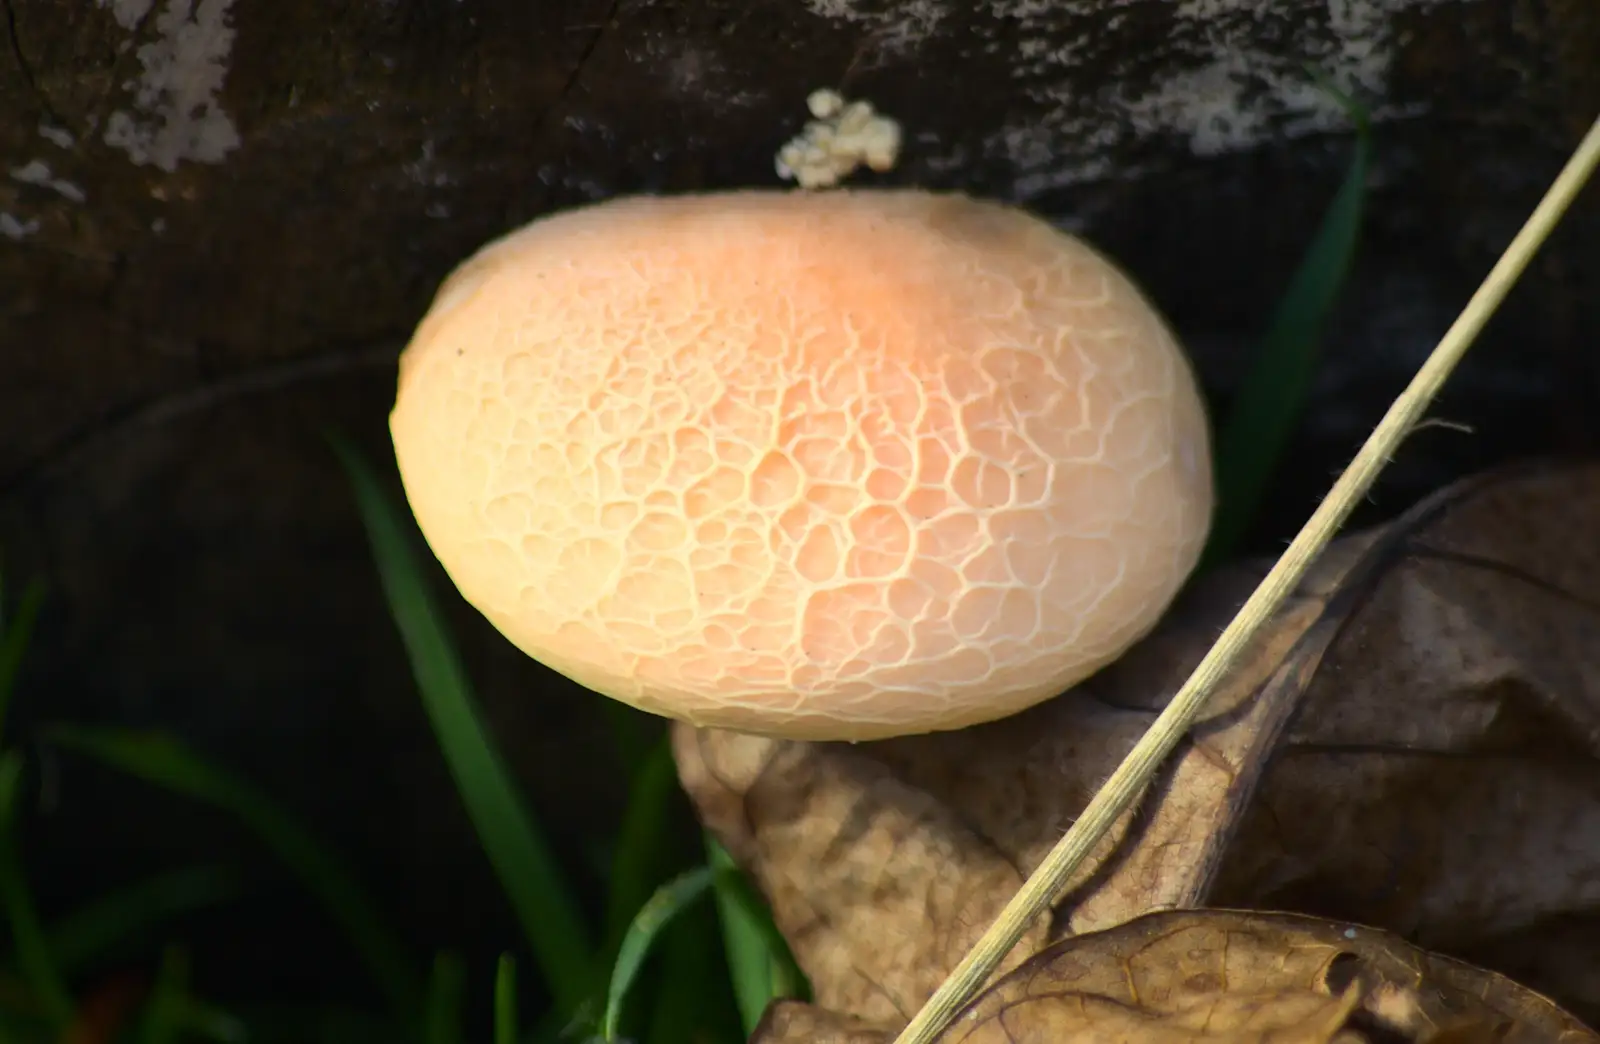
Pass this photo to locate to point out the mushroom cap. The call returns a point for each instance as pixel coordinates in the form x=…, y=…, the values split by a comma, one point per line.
x=845, y=465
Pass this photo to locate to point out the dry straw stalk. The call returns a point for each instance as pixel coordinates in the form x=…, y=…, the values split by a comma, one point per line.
x=1119, y=793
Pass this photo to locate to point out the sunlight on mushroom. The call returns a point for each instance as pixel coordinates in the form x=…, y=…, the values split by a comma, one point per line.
x=832, y=466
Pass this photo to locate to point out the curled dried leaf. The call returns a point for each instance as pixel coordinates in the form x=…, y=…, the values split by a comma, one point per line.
x=1440, y=777
x=1228, y=976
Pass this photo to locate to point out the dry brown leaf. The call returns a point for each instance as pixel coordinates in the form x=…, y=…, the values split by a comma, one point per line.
x=1226, y=976
x=791, y=1022
x=1440, y=777
x=1443, y=778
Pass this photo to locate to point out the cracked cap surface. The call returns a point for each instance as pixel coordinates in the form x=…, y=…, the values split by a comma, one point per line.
x=843, y=465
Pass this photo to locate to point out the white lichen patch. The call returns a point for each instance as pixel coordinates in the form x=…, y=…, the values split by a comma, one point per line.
x=37, y=172
x=176, y=114
x=1232, y=82
x=896, y=27
x=425, y=169
x=694, y=76
x=570, y=177
x=15, y=229
x=128, y=13
x=841, y=137
x=60, y=137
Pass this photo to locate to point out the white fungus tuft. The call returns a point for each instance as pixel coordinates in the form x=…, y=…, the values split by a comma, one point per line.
x=843, y=136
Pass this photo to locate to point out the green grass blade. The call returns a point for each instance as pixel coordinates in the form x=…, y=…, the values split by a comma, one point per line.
x=505, y=1000
x=693, y=1000
x=749, y=961
x=759, y=960
x=442, y=1009
x=1272, y=397
x=14, y=637
x=636, y=865
x=30, y=950
x=163, y=761
x=528, y=871
x=163, y=1011
x=110, y=920
x=557, y=1027
x=668, y=901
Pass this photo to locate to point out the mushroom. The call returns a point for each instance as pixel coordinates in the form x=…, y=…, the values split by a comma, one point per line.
x=846, y=465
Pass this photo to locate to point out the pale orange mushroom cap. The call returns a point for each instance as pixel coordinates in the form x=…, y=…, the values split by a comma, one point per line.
x=838, y=465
